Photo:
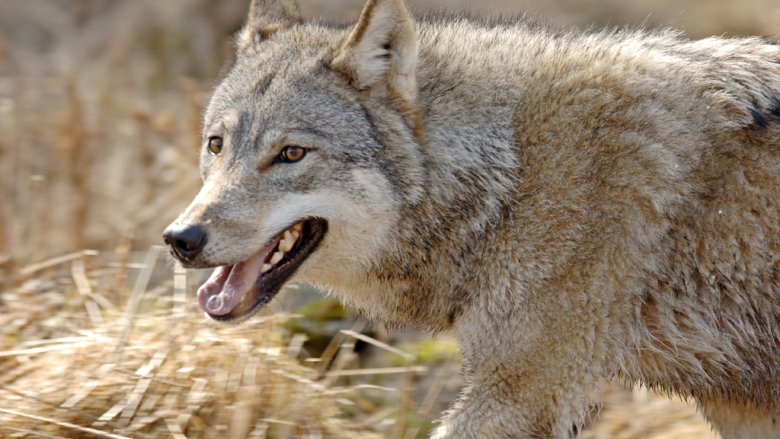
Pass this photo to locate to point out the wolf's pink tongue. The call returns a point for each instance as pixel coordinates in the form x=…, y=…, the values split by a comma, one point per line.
x=228, y=285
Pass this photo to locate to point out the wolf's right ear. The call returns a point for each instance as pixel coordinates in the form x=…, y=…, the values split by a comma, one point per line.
x=381, y=50
x=267, y=17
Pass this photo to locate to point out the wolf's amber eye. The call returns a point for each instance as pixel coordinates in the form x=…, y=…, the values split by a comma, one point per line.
x=215, y=145
x=292, y=154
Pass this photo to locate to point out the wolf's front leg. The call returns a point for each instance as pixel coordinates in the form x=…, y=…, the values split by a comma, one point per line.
x=514, y=404
x=529, y=376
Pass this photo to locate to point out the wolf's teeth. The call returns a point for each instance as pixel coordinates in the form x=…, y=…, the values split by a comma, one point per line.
x=276, y=258
x=286, y=244
x=298, y=227
x=266, y=268
x=295, y=234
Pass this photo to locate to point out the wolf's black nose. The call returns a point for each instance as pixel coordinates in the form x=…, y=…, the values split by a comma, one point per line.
x=186, y=240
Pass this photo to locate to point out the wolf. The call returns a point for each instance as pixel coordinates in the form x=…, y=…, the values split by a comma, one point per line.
x=575, y=207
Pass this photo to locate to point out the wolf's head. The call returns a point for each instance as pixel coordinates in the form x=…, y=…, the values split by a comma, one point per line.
x=310, y=146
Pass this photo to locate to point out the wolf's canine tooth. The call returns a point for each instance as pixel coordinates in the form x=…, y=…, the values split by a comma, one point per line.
x=286, y=244
x=277, y=257
x=266, y=268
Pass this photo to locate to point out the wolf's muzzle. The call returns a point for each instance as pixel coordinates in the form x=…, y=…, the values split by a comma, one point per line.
x=186, y=241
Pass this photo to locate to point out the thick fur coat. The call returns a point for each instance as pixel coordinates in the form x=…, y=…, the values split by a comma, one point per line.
x=574, y=207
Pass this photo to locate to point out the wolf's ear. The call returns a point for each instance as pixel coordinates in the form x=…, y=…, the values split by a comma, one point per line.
x=265, y=18
x=381, y=50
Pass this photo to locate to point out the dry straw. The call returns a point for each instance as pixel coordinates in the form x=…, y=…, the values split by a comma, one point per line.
x=73, y=365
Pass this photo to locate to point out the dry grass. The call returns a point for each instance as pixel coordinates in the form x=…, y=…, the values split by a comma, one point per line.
x=631, y=414
x=100, y=106
x=172, y=376
x=74, y=364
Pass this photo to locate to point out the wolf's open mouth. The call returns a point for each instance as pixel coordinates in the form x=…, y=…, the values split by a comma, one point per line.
x=238, y=291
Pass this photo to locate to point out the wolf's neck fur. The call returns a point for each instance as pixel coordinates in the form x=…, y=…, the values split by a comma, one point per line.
x=472, y=167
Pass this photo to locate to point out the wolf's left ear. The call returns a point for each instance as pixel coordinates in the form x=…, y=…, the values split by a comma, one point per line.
x=265, y=18
x=381, y=50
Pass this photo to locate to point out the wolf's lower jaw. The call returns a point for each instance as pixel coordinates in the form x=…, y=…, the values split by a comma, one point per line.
x=238, y=291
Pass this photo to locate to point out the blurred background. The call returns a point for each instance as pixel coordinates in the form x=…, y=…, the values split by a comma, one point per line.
x=100, y=109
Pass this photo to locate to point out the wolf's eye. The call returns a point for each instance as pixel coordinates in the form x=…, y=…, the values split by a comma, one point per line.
x=292, y=154
x=215, y=145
